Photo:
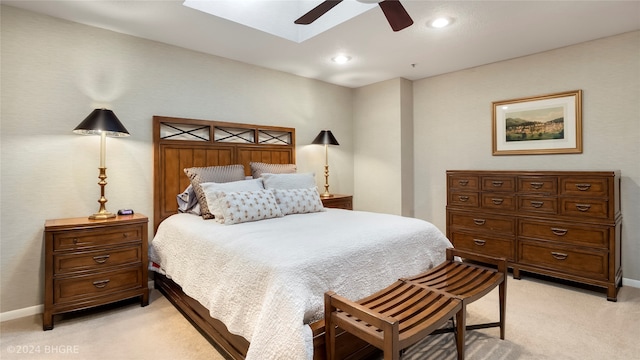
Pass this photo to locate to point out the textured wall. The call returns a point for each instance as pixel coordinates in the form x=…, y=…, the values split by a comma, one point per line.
x=55, y=72
x=453, y=123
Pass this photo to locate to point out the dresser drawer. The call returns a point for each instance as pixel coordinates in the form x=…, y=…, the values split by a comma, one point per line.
x=498, y=183
x=578, y=234
x=86, y=239
x=465, y=199
x=483, y=222
x=582, y=262
x=484, y=244
x=538, y=184
x=96, y=260
x=498, y=201
x=537, y=204
x=584, y=186
x=464, y=182
x=74, y=288
x=584, y=208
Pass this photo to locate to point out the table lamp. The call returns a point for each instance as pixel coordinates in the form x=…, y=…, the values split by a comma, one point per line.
x=326, y=138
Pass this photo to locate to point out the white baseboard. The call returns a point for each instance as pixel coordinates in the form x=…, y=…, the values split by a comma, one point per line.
x=38, y=309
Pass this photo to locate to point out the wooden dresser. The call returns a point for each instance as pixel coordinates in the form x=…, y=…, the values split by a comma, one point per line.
x=94, y=262
x=564, y=224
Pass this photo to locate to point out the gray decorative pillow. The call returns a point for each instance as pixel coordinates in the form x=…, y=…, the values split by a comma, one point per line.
x=218, y=174
x=289, y=181
x=258, y=168
x=188, y=201
x=299, y=201
x=244, y=206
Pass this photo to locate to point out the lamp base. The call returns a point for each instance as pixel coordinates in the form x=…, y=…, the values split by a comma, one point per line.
x=326, y=195
x=102, y=216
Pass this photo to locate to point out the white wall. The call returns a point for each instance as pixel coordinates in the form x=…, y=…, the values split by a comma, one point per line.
x=452, y=116
x=55, y=72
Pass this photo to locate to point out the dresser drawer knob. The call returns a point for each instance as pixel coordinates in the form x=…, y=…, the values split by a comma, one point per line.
x=463, y=182
x=583, y=207
x=583, y=187
x=497, y=201
x=559, y=232
x=463, y=198
x=75, y=241
x=479, y=222
x=497, y=183
x=536, y=185
x=479, y=242
x=559, y=256
x=125, y=235
x=537, y=204
x=101, y=259
x=101, y=283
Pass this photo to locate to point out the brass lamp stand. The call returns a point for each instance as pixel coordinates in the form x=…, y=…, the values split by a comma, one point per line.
x=326, y=138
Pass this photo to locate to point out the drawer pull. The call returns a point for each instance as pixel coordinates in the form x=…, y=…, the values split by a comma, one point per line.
x=124, y=235
x=537, y=204
x=559, y=232
x=497, y=201
x=463, y=182
x=559, y=256
x=75, y=241
x=479, y=242
x=583, y=187
x=101, y=259
x=583, y=207
x=463, y=198
x=497, y=183
x=536, y=185
x=479, y=222
x=101, y=283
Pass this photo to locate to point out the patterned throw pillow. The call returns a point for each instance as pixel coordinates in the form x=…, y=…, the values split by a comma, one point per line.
x=259, y=168
x=299, y=201
x=219, y=174
x=212, y=190
x=244, y=206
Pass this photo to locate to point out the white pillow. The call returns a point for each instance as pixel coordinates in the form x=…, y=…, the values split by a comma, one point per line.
x=211, y=190
x=289, y=181
x=299, y=201
x=244, y=206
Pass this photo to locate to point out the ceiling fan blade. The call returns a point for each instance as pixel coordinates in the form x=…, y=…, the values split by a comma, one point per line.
x=316, y=12
x=396, y=15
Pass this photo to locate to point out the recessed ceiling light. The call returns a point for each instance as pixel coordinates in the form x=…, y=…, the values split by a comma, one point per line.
x=341, y=59
x=440, y=22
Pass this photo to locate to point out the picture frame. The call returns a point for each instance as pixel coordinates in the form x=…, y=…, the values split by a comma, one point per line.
x=547, y=124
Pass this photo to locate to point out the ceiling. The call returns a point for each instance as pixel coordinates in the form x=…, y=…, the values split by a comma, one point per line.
x=482, y=32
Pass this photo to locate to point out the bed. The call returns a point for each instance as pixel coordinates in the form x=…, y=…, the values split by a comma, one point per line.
x=255, y=289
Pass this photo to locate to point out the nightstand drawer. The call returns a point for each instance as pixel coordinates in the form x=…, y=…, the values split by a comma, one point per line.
x=73, y=288
x=96, y=260
x=466, y=199
x=537, y=204
x=583, y=186
x=593, y=236
x=464, y=182
x=570, y=260
x=587, y=208
x=85, y=239
x=498, y=201
x=538, y=185
x=498, y=183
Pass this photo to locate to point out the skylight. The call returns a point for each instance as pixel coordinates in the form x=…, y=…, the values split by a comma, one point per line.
x=276, y=17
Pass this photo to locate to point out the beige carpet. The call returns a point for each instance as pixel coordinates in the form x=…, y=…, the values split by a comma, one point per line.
x=545, y=320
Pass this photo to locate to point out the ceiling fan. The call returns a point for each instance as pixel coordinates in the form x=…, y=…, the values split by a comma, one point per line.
x=393, y=10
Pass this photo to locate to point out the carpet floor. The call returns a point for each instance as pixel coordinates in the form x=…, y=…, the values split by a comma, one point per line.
x=545, y=320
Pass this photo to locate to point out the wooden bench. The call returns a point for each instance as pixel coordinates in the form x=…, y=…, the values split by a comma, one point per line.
x=410, y=309
x=393, y=318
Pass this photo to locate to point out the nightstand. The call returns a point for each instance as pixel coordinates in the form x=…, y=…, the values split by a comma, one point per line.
x=94, y=262
x=338, y=201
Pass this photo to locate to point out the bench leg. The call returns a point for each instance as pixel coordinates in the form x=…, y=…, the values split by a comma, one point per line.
x=329, y=328
x=460, y=331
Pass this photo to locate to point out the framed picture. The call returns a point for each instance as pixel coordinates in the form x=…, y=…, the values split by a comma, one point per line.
x=547, y=124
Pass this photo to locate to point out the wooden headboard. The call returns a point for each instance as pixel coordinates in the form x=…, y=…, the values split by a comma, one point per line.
x=182, y=143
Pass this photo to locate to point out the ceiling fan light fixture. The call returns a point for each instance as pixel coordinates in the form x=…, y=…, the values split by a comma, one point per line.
x=341, y=59
x=440, y=22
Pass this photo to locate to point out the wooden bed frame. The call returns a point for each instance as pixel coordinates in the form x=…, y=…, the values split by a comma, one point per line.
x=180, y=143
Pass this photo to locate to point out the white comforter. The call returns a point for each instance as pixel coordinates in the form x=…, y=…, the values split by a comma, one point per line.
x=266, y=279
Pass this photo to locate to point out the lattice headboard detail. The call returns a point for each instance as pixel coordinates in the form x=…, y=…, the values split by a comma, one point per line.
x=182, y=143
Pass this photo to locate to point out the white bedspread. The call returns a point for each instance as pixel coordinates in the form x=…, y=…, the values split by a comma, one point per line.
x=266, y=279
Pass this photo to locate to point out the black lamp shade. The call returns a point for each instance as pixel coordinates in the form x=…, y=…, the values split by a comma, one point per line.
x=101, y=120
x=325, y=138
